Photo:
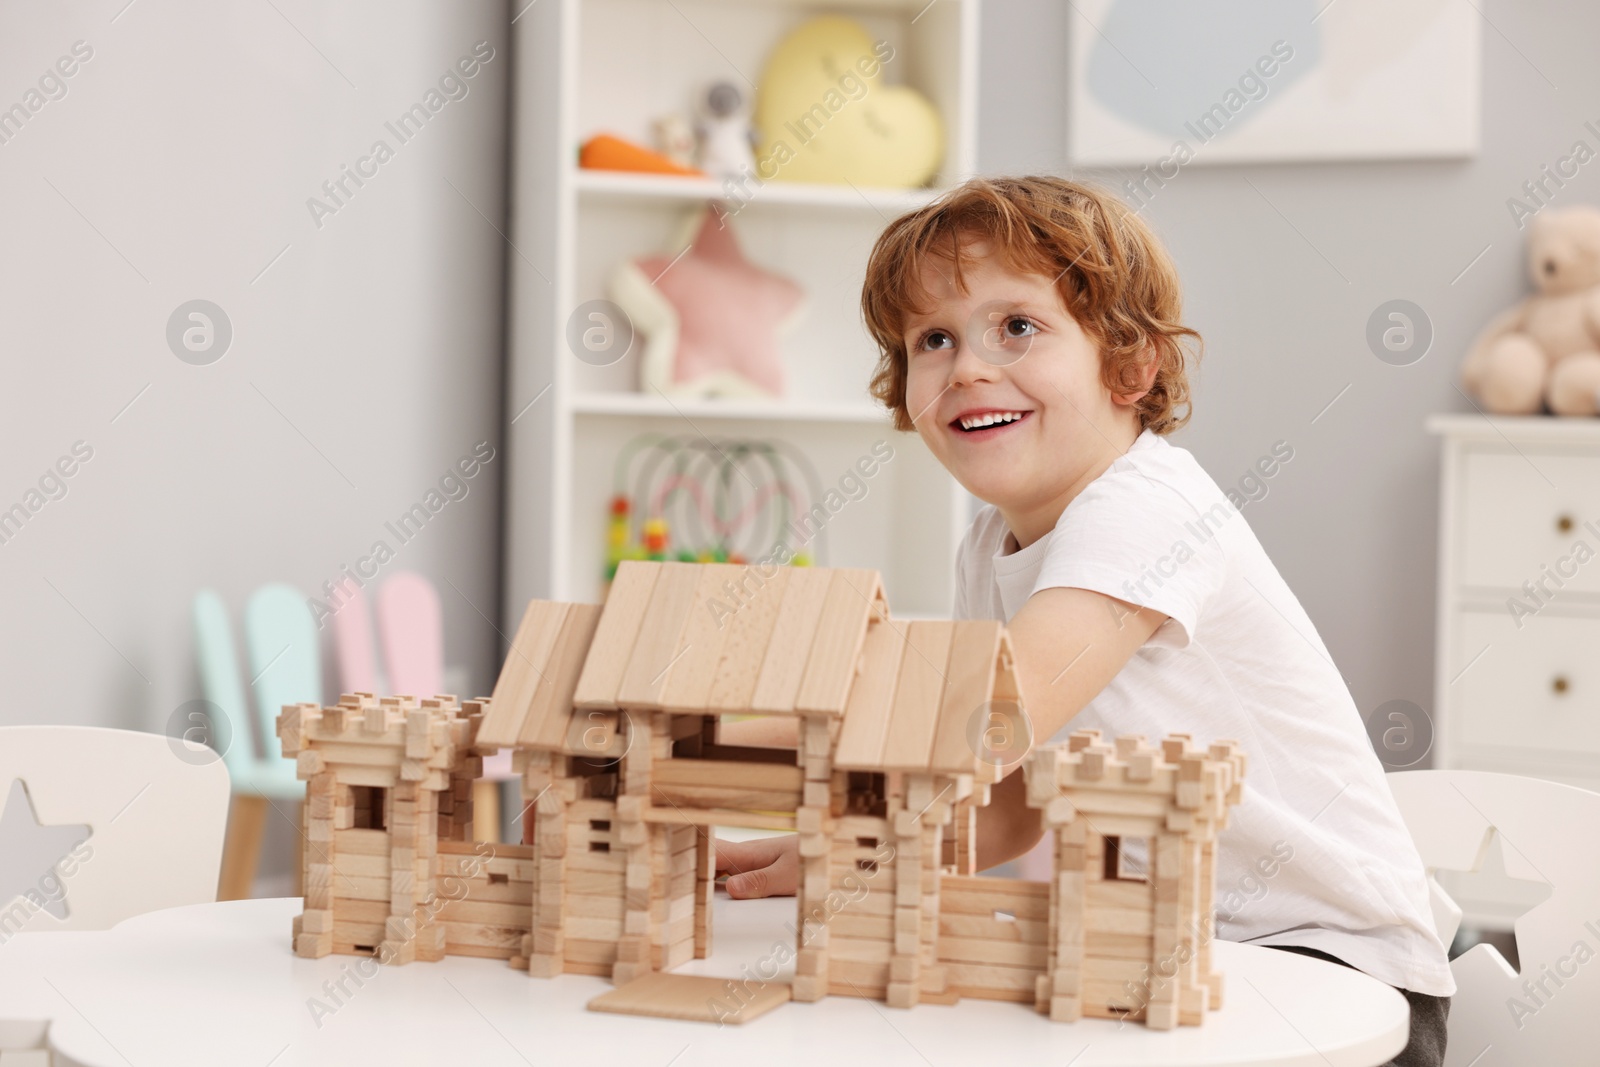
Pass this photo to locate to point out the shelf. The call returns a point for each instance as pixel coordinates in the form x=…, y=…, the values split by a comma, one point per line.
x=1556, y=429
x=898, y=7
x=610, y=186
x=655, y=406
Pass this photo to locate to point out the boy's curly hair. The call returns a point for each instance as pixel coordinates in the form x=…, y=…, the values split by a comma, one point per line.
x=1113, y=275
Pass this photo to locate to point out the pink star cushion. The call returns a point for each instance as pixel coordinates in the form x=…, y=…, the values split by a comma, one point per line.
x=730, y=311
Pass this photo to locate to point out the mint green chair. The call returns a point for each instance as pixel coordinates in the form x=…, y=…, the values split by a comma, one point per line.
x=284, y=668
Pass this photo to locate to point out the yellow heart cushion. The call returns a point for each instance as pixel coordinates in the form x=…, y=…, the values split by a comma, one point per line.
x=824, y=114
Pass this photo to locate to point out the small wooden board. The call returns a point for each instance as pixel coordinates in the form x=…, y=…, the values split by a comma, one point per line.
x=690, y=997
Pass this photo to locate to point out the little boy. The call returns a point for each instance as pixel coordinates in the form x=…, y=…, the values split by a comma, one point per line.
x=1029, y=332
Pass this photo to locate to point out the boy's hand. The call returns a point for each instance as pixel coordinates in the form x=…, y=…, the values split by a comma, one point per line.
x=765, y=867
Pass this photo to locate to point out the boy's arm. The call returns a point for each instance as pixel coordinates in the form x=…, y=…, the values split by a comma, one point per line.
x=1067, y=644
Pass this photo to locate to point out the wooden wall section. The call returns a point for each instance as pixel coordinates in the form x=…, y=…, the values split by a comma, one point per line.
x=487, y=897
x=591, y=888
x=985, y=954
x=860, y=933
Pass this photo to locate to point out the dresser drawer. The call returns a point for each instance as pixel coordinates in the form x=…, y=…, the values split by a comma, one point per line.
x=1513, y=522
x=1533, y=689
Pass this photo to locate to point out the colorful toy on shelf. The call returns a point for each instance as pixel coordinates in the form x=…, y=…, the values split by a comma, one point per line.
x=605, y=152
x=612, y=712
x=725, y=500
x=824, y=113
x=711, y=318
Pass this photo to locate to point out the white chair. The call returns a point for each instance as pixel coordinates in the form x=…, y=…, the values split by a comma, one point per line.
x=1549, y=1014
x=155, y=808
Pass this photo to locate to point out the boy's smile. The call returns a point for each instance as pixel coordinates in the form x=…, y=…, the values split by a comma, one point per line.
x=1006, y=390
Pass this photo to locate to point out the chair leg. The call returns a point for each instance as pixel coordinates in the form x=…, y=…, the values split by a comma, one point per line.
x=486, y=811
x=242, y=848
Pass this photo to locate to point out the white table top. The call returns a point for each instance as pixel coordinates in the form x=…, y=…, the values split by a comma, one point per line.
x=217, y=983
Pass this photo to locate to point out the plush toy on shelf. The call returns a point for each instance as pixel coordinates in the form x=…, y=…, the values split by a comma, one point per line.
x=726, y=139
x=1546, y=350
x=825, y=113
x=722, y=501
x=606, y=152
x=675, y=139
x=711, y=319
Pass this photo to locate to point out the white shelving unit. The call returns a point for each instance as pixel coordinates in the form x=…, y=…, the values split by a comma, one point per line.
x=589, y=66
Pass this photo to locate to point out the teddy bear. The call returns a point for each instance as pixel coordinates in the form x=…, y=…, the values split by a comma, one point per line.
x=1547, y=348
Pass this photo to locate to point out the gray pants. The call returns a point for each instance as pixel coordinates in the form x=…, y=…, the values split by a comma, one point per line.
x=1428, y=1016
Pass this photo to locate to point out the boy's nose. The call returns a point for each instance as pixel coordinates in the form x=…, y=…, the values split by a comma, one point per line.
x=970, y=364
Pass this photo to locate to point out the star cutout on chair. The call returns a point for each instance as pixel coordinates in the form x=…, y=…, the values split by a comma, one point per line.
x=30, y=853
x=711, y=317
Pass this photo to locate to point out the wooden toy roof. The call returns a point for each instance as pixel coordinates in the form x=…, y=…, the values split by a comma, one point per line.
x=692, y=638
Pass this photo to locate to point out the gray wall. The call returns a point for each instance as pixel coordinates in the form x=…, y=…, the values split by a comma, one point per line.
x=1351, y=520
x=364, y=361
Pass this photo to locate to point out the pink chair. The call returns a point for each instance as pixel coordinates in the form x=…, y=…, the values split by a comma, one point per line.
x=410, y=631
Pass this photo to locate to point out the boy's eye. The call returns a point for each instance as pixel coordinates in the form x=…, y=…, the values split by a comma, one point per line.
x=934, y=339
x=1017, y=326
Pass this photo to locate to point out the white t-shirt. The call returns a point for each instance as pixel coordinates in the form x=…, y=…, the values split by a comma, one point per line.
x=1315, y=854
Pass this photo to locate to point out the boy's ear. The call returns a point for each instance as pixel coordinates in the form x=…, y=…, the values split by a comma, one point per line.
x=1147, y=379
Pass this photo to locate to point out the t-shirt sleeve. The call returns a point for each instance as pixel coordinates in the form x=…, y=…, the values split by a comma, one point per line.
x=1141, y=540
x=963, y=577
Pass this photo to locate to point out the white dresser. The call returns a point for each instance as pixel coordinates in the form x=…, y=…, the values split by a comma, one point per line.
x=1517, y=675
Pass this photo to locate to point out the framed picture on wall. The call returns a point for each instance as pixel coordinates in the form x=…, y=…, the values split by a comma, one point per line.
x=1233, y=81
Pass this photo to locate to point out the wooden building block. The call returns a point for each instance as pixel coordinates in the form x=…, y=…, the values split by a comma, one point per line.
x=854, y=598
x=783, y=665
x=744, y=646
x=918, y=692
x=870, y=707
x=614, y=636
x=659, y=642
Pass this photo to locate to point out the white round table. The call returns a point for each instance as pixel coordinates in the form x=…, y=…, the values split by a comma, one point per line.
x=217, y=984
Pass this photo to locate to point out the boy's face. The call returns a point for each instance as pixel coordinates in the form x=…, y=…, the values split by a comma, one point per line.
x=1006, y=352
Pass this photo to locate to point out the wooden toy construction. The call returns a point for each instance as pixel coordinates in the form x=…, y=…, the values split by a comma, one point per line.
x=613, y=711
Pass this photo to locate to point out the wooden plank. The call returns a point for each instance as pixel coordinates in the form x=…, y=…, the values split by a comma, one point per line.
x=918, y=695
x=970, y=673
x=499, y=951
x=859, y=949
x=853, y=595
x=1004, y=953
x=577, y=950
x=523, y=672
x=738, y=798
x=982, y=982
x=783, y=664
x=614, y=636
x=698, y=772
x=866, y=716
x=744, y=646
x=983, y=896
x=1119, y=893
x=681, y=816
x=855, y=978
x=692, y=997
x=1139, y=921
x=365, y=842
x=688, y=684
x=991, y=929
x=545, y=726
x=660, y=639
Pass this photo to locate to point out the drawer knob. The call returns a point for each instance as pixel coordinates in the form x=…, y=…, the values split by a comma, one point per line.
x=1564, y=523
x=1559, y=683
